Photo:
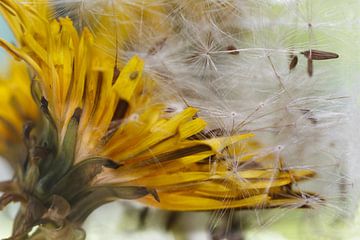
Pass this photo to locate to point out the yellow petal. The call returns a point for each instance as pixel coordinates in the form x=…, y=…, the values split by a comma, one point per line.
x=179, y=202
x=128, y=79
x=158, y=180
x=159, y=132
x=19, y=55
x=218, y=144
x=191, y=128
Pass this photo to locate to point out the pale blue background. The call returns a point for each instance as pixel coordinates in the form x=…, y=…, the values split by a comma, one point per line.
x=5, y=171
x=6, y=34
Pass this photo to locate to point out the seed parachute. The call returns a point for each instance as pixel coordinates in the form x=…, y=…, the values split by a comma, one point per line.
x=86, y=119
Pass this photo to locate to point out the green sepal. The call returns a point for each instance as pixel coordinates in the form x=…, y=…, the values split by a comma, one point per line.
x=80, y=176
x=68, y=147
x=65, y=158
x=87, y=201
x=46, y=146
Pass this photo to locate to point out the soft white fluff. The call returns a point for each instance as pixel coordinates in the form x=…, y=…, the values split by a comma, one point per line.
x=230, y=59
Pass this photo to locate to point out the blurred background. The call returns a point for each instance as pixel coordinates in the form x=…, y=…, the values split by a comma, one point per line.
x=124, y=218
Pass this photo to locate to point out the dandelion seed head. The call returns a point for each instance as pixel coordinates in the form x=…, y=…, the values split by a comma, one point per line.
x=230, y=60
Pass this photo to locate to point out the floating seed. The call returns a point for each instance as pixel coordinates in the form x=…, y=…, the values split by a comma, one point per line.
x=158, y=46
x=232, y=50
x=293, y=62
x=319, y=55
x=310, y=67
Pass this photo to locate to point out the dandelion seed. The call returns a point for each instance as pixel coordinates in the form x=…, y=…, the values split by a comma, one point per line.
x=158, y=46
x=310, y=67
x=293, y=62
x=319, y=55
x=232, y=50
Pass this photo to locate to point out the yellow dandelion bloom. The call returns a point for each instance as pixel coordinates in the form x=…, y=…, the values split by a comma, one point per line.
x=81, y=131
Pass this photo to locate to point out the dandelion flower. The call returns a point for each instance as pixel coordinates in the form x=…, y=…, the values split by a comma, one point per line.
x=83, y=129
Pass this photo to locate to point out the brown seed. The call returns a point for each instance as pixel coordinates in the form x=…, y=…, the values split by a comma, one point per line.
x=319, y=55
x=157, y=47
x=232, y=50
x=293, y=62
x=310, y=67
